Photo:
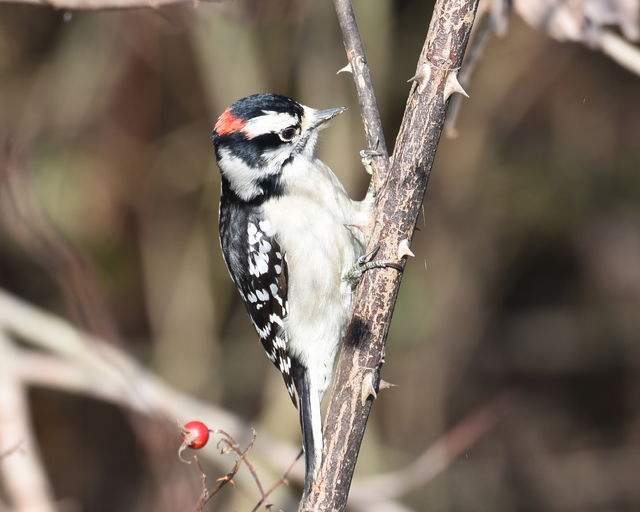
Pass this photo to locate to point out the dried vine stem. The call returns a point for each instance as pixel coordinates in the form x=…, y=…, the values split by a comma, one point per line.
x=396, y=214
x=227, y=444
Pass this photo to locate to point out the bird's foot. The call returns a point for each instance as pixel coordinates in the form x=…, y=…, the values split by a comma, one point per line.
x=365, y=263
x=366, y=156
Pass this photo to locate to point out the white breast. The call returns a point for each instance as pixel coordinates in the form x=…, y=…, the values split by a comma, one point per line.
x=310, y=223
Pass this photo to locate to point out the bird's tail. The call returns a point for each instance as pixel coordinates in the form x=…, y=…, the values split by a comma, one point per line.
x=311, y=422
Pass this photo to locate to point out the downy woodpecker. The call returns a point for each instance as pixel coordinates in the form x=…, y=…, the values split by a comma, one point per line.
x=288, y=239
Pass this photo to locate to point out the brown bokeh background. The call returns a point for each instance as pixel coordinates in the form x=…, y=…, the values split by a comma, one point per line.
x=527, y=271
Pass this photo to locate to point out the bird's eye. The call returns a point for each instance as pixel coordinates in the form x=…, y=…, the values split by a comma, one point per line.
x=288, y=133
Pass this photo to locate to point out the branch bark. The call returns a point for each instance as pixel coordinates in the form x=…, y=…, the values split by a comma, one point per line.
x=364, y=88
x=397, y=210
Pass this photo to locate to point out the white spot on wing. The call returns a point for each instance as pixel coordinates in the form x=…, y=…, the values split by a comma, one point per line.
x=265, y=246
x=261, y=264
x=276, y=320
x=265, y=226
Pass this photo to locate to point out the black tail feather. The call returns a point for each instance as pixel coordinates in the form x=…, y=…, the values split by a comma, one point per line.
x=301, y=380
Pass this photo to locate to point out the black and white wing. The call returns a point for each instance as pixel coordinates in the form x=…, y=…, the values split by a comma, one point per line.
x=262, y=280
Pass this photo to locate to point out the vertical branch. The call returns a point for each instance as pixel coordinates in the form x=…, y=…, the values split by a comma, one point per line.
x=364, y=88
x=397, y=210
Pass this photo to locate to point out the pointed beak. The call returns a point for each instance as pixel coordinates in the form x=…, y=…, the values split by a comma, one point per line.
x=322, y=116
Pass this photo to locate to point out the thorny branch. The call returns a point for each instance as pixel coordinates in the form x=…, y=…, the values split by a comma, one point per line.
x=397, y=210
x=364, y=87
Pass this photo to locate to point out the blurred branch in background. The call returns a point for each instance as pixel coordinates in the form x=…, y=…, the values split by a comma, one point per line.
x=74, y=362
x=22, y=215
x=93, y=5
x=373, y=490
x=581, y=21
x=21, y=468
x=70, y=361
x=588, y=22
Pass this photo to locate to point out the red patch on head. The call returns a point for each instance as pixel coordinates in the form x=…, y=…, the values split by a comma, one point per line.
x=228, y=123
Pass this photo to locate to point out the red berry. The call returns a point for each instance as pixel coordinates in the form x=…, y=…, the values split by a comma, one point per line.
x=195, y=434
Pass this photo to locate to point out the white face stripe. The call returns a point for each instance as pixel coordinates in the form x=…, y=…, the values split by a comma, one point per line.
x=268, y=123
x=275, y=157
x=241, y=177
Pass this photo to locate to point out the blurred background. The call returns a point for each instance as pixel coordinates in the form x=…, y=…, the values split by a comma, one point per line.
x=525, y=287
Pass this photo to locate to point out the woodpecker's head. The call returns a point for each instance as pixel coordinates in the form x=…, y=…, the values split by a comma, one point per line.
x=258, y=136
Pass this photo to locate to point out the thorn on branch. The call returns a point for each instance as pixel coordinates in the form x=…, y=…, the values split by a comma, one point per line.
x=452, y=85
x=404, y=250
x=386, y=385
x=346, y=69
x=368, y=388
x=422, y=76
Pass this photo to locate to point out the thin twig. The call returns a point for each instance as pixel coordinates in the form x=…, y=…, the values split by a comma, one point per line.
x=230, y=445
x=236, y=448
x=364, y=88
x=278, y=483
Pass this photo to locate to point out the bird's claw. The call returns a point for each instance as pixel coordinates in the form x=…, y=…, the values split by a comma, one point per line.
x=366, y=156
x=364, y=263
